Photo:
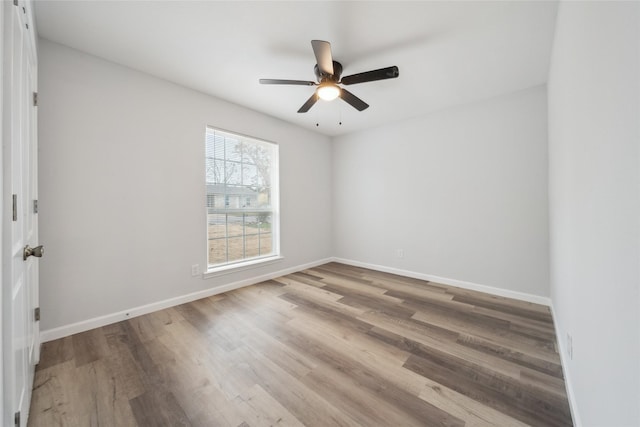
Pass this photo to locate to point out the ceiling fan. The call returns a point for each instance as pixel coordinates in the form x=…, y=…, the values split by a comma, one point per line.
x=328, y=73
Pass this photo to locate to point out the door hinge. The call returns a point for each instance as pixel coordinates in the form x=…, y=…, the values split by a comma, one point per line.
x=35, y=206
x=36, y=314
x=16, y=419
x=35, y=99
x=15, y=207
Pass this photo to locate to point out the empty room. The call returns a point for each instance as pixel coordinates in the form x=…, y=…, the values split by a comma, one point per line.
x=320, y=213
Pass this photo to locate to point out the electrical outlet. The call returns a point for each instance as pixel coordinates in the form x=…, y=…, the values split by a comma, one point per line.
x=195, y=269
x=399, y=253
x=570, y=346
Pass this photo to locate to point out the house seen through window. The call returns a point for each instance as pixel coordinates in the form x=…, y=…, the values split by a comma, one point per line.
x=242, y=198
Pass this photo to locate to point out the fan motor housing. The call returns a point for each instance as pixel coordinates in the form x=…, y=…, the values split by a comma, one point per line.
x=337, y=72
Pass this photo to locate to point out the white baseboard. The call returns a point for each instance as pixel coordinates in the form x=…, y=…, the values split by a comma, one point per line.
x=452, y=282
x=573, y=405
x=96, y=322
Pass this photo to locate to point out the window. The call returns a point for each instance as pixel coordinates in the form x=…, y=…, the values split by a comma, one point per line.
x=242, y=199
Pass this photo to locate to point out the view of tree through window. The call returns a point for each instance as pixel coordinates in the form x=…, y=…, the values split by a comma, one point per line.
x=241, y=174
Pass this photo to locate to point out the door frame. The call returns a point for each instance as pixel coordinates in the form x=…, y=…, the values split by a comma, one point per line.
x=2, y=260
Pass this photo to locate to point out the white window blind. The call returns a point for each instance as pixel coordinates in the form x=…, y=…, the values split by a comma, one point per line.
x=242, y=198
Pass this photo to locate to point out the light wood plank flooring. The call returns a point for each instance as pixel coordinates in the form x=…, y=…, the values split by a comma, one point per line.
x=334, y=345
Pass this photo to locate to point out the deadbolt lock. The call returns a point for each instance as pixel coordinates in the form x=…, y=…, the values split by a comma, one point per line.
x=37, y=252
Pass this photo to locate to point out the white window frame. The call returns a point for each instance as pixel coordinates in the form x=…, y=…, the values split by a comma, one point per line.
x=214, y=270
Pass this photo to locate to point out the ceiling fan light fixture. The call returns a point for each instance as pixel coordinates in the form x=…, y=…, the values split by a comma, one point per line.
x=328, y=91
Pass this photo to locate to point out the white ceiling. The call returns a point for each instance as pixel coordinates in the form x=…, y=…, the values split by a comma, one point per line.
x=449, y=53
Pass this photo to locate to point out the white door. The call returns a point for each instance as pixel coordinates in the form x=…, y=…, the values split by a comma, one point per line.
x=21, y=341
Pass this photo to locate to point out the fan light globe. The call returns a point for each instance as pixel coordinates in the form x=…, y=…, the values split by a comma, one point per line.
x=328, y=92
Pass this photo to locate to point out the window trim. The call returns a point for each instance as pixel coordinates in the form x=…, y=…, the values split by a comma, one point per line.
x=214, y=270
x=241, y=266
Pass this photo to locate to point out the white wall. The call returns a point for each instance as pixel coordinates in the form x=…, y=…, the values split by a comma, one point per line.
x=594, y=188
x=463, y=192
x=122, y=187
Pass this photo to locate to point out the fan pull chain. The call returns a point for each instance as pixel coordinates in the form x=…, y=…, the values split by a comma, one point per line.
x=339, y=117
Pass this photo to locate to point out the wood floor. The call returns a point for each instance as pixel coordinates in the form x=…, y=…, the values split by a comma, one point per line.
x=334, y=345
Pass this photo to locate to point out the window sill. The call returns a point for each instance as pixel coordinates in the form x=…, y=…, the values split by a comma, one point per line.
x=241, y=266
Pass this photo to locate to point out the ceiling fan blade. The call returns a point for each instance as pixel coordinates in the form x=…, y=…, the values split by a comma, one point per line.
x=370, y=76
x=310, y=102
x=353, y=100
x=322, y=51
x=286, y=82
